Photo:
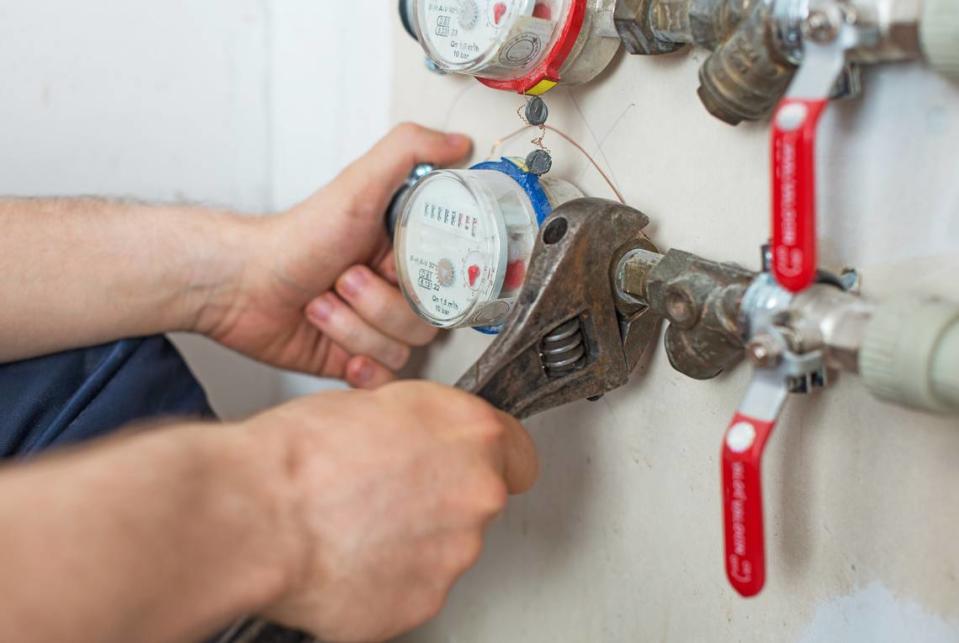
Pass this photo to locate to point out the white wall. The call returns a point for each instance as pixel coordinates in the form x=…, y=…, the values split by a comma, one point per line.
x=330, y=100
x=250, y=104
x=622, y=539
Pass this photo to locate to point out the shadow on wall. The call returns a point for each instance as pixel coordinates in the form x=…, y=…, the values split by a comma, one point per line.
x=237, y=387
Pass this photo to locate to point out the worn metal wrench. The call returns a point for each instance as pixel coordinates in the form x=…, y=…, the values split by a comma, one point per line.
x=572, y=335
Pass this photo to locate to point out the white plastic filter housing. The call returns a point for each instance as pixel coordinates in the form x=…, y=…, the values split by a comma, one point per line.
x=939, y=32
x=910, y=355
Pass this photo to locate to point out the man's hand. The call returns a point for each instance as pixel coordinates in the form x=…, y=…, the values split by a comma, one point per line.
x=312, y=289
x=394, y=490
x=347, y=514
x=317, y=290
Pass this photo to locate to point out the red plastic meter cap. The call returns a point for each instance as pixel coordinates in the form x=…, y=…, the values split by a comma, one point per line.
x=546, y=74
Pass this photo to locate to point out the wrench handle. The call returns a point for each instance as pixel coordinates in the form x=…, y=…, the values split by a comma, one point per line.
x=794, y=192
x=743, y=448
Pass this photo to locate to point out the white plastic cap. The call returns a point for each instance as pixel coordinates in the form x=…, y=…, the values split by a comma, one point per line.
x=939, y=32
x=910, y=355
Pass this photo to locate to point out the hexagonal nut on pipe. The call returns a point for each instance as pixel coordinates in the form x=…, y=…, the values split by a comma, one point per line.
x=635, y=29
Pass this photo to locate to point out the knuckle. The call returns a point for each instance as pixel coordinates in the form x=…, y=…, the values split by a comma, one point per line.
x=488, y=425
x=467, y=552
x=422, y=607
x=417, y=390
x=473, y=551
x=448, y=410
x=436, y=579
x=407, y=130
x=492, y=497
x=433, y=605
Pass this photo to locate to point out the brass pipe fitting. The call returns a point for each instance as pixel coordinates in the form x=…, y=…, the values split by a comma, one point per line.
x=744, y=77
x=700, y=298
x=757, y=45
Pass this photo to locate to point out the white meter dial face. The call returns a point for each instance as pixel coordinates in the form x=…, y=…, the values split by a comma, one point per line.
x=490, y=37
x=461, y=32
x=463, y=245
x=453, y=251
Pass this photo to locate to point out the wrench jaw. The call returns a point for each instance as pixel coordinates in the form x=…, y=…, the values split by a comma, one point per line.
x=569, y=337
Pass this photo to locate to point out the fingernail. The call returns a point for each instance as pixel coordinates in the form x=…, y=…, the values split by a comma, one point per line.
x=320, y=310
x=353, y=282
x=364, y=373
x=457, y=140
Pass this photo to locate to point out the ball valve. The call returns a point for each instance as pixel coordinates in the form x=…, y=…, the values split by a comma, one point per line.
x=588, y=307
x=524, y=46
x=758, y=45
x=835, y=33
x=906, y=352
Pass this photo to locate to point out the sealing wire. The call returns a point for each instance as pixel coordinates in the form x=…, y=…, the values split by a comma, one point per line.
x=498, y=145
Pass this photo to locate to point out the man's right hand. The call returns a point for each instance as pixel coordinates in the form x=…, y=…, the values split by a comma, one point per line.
x=392, y=492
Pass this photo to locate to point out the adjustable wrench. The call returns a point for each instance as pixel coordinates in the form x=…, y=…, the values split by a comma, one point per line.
x=572, y=335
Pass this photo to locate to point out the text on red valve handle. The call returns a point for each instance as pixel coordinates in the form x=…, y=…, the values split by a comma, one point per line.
x=743, y=503
x=794, y=193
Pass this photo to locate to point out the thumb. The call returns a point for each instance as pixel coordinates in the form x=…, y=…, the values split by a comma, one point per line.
x=377, y=175
x=520, y=460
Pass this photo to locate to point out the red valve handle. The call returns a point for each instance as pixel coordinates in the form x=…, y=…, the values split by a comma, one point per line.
x=743, y=503
x=794, y=192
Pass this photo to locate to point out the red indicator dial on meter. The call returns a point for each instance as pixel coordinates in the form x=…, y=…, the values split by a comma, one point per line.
x=542, y=10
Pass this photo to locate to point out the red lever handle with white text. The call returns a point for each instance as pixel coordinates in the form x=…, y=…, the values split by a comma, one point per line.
x=743, y=448
x=794, y=239
x=743, y=503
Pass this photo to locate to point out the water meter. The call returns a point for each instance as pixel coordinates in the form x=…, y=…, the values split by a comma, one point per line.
x=524, y=46
x=464, y=239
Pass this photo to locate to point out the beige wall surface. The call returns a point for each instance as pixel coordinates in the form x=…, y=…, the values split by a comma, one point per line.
x=246, y=104
x=621, y=540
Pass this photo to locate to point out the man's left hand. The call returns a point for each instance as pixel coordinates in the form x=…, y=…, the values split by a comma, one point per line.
x=315, y=288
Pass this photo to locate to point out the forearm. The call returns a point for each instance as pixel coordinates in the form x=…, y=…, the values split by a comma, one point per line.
x=155, y=537
x=78, y=272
